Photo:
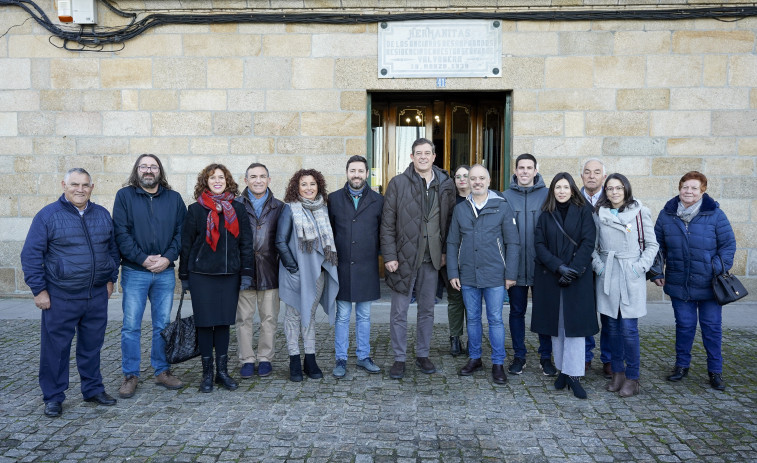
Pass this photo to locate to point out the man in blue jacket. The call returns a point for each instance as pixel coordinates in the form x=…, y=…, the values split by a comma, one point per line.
x=147, y=218
x=525, y=196
x=70, y=262
x=482, y=261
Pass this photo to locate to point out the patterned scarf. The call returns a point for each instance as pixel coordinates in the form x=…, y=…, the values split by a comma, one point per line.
x=688, y=213
x=308, y=231
x=209, y=201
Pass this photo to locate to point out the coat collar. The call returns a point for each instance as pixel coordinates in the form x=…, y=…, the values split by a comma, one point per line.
x=708, y=205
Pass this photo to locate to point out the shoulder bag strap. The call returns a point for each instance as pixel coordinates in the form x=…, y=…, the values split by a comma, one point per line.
x=562, y=230
x=640, y=231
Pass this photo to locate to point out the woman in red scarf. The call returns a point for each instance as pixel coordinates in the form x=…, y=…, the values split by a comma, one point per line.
x=216, y=262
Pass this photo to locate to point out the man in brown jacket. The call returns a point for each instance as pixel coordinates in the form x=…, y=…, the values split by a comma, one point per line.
x=417, y=211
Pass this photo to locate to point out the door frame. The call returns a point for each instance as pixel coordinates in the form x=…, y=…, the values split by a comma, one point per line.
x=391, y=99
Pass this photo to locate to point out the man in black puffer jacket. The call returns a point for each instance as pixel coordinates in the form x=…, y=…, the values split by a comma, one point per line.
x=417, y=212
x=70, y=262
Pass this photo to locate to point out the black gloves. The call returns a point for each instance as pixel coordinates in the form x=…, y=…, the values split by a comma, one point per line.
x=184, y=286
x=246, y=283
x=567, y=275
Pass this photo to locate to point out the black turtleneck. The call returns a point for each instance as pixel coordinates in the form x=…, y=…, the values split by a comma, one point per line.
x=563, y=208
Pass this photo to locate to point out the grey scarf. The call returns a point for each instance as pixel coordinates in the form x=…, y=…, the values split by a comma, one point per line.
x=308, y=232
x=687, y=214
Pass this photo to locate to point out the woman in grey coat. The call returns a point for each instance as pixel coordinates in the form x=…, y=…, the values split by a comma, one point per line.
x=307, y=270
x=624, y=251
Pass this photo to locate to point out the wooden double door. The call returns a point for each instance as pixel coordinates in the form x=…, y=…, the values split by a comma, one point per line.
x=466, y=128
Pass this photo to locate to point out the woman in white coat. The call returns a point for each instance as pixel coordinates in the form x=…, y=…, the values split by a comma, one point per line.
x=625, y=250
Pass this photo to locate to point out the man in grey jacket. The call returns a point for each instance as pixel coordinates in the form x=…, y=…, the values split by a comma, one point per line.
x=417, y=210
x=483, y=227
x=526, y=195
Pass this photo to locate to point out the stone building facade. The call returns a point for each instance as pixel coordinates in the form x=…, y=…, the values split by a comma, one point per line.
x=652, y=98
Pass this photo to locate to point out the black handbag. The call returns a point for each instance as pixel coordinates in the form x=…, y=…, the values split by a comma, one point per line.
x=181, y=338
x=727, y=288
x=659, y=261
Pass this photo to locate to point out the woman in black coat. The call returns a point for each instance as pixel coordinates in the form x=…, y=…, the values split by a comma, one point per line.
x=563, y=296
x=216, y=250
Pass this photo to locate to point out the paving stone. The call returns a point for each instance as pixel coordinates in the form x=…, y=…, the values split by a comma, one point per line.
x=371, y=418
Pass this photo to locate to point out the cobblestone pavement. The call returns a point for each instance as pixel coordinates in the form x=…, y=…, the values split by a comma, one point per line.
x=371, y=418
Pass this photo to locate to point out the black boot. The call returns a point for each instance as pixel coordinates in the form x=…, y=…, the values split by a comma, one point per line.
x=574, y=384
x=207, y=375
x=561, y=381
x=455, y=348
x=295, y=368
x=222, y=374
x=311, y=368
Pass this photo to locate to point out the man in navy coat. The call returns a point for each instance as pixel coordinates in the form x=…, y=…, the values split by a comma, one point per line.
x=355, y=214
x=70, y=262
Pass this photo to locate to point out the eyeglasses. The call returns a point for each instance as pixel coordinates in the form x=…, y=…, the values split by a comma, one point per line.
x=610, y=189
x=460, y=177
x=146, y=168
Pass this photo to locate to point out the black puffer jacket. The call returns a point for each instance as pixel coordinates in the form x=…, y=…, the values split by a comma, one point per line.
x=264, y=232
x=401, y=222
x=233, y=254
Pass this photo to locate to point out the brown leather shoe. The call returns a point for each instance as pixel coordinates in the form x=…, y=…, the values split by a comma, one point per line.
x=471, y=367
x=498, y=374
x=397, y=371
x=587, y=366
x=169, y=381
x=630, y=388
x=617, y=382
x=607, y=370
x=128, y=387
x=425, y=365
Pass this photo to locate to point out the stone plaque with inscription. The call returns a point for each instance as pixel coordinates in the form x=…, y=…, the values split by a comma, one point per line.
x=440, y=48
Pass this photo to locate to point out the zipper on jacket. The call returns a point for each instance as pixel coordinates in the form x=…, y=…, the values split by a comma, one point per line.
x=91, y=252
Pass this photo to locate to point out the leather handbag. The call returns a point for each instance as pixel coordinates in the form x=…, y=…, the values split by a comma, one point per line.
x=727, y=288
x=181, y=338
x=659, y=260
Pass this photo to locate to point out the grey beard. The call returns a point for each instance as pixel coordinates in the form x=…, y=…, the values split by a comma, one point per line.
x=147, y=182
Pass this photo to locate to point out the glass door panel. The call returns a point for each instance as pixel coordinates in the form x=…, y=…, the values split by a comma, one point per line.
x=411, y=125
x=492, y=123
x=378, y=160
x=461, y=135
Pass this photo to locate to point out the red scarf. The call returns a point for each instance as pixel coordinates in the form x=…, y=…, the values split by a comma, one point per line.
x=209, y=201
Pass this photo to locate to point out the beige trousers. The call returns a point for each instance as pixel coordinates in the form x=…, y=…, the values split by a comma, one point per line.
x=267, y=304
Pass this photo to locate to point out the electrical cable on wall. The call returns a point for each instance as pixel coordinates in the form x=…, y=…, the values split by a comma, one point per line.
x=93, y=38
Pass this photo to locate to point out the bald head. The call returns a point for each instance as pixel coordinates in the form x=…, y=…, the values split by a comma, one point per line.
x=479, y=179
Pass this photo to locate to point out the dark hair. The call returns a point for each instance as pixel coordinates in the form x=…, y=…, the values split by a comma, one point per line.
x=550, y=204
x=202, y=180
x=254, y=165
x=357, y=158
x=423, y=141
x=628, y=198
x=527, y=157
x=461, y=166
x=292, y=193
x=693, y=175
x=133, y=179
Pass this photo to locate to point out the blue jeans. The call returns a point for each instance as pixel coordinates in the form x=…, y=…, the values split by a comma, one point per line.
x=494, y=298
x=711, y=323
x=362, y=329
x=518, y=304
x=138, y=286
x=605, y=348
x=624, y=339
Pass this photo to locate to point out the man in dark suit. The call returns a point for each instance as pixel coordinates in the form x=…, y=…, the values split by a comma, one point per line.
x=355, y=215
